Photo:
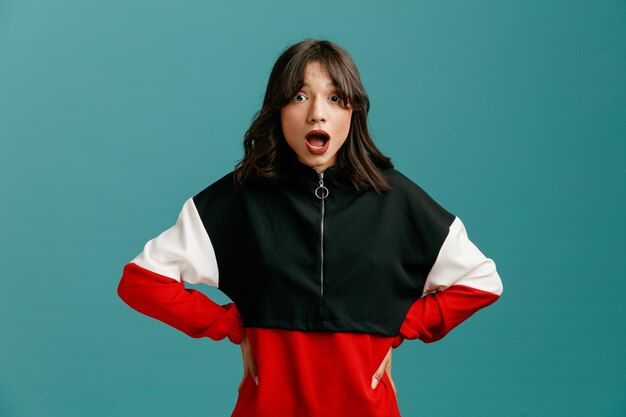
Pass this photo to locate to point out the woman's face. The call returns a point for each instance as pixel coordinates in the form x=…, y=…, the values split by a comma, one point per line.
x=316, y=121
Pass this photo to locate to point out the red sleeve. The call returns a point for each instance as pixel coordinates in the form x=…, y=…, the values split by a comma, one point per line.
x=431, y=317
x=187, y=310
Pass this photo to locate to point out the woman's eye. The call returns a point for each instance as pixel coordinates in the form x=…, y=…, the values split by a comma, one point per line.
x=299, y=97
x=335, y=98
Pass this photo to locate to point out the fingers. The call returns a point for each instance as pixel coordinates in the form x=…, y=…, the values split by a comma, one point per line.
x=388, y=370
x=378, y=375
x=385, y=366
x=252, y=369
x=249, y=364
x=376, y=379
x=388, y=365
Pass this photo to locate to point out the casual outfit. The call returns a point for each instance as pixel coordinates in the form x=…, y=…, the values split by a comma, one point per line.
x=324, y=279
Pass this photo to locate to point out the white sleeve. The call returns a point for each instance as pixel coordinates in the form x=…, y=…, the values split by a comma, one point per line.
x=183, y=252
x=460, y=262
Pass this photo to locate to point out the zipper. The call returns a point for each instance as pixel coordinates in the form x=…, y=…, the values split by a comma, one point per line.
x=321, y=192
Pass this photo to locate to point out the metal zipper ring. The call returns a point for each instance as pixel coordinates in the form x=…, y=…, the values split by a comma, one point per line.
x=321, y=192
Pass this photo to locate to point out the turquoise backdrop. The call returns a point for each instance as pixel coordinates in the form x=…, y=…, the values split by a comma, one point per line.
x=511, y=114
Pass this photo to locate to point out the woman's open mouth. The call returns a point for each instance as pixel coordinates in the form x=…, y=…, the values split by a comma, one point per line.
x=317, y=141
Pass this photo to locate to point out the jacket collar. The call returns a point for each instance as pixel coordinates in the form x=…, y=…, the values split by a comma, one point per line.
x=299, y=172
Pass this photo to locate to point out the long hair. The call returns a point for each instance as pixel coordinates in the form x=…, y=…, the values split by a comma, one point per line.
x=265, y=147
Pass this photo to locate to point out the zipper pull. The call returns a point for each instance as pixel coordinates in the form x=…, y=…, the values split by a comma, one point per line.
x=321, y=191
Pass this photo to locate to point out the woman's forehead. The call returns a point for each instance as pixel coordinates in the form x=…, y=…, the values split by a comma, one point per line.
x=316, y=70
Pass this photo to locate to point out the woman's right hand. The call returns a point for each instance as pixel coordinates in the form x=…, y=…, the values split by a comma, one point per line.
x=249, y=364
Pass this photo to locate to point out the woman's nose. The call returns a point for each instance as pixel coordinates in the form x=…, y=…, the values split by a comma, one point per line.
x=317, y=113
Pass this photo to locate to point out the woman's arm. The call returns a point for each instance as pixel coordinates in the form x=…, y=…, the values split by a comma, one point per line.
x=153, y=282
x=461, y=282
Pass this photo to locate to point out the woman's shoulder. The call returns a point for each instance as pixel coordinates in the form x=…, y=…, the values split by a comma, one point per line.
x=414, y=196
x=224, y=184
x=398, y=179
x=223, y=191
x=401, y=183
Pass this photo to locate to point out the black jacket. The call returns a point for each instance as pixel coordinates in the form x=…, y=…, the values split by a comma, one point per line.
x=352, y=261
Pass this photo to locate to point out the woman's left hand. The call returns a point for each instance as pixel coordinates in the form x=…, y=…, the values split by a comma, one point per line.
x=385, y=366
x=249, y=364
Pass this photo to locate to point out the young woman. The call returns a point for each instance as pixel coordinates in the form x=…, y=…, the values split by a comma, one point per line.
x=331, y=257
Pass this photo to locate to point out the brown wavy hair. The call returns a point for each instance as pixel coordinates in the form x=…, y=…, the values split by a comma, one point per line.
x=265, y=147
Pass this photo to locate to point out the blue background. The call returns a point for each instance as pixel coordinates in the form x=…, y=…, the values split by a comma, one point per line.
x=510, y=114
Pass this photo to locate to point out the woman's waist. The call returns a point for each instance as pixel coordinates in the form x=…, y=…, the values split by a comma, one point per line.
x=317, y=373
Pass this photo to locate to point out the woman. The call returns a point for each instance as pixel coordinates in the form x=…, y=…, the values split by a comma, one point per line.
x=331, y=257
